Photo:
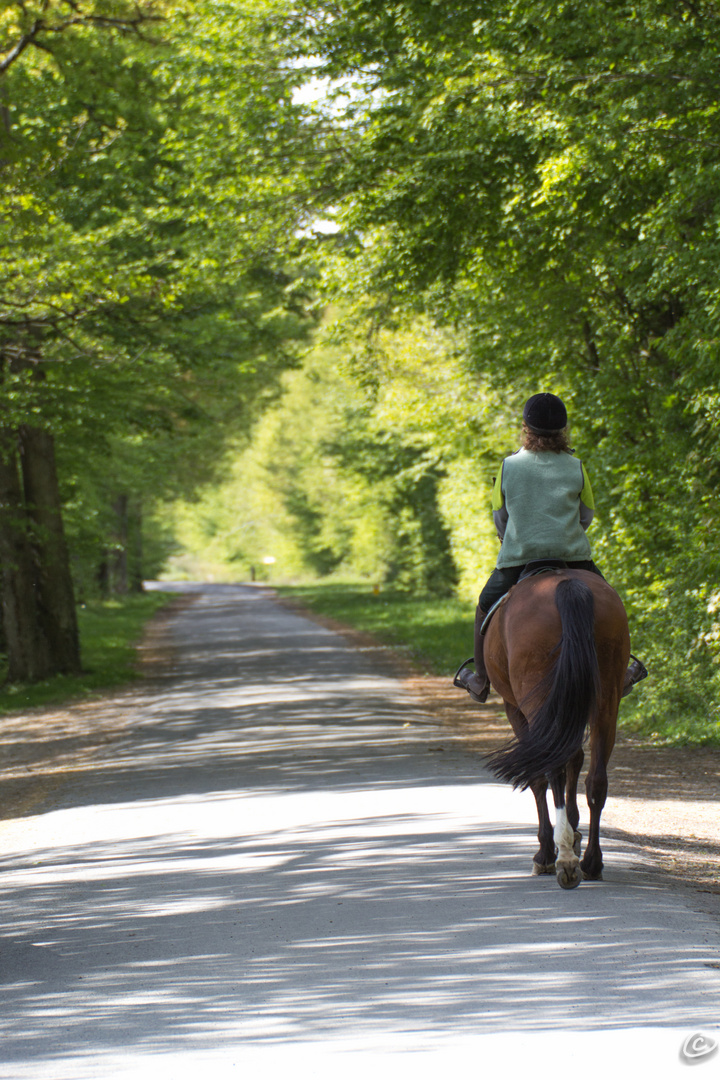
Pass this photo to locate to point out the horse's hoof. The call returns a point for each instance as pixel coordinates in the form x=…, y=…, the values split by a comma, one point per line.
x=569, y=877
x=543, y=868
x=592, y=877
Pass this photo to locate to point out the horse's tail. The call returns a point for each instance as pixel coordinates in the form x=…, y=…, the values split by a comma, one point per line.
x=567, y=696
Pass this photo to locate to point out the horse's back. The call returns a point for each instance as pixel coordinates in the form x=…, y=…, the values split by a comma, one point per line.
x=531, y=606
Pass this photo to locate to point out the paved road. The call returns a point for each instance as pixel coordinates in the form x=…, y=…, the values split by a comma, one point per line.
x=284, y=867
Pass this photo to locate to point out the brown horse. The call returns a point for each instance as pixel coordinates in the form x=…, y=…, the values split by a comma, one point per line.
x=556, y=650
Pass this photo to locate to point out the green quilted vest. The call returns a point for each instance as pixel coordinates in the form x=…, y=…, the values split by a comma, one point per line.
x=541, y=492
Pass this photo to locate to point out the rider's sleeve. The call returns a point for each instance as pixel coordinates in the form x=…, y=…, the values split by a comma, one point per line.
x=587, y=502
x=500, y=517
x=500, y=514
x=498, y=499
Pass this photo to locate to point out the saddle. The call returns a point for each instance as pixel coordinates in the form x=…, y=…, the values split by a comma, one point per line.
x=541, y=566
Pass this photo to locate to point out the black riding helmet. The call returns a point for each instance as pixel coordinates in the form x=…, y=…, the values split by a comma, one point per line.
x=545, y=413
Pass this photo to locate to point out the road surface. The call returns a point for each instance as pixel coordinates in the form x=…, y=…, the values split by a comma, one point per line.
x=284, y=868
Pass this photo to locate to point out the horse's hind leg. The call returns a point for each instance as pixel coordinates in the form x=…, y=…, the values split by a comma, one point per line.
x=602, y=740
x=567, y=864
x=544, y=857
x=573, y=775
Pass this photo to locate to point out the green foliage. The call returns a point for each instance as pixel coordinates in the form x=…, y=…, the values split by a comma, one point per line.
x=285, y=497
x=109, y=633
x=152, y=281
x=336, y=480
x=418, y=382
x=543, y=179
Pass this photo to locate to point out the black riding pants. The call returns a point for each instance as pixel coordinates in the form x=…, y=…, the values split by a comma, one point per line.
x=503, y=578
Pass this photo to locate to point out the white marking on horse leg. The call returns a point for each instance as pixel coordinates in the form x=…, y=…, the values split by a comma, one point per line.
x=564, y=838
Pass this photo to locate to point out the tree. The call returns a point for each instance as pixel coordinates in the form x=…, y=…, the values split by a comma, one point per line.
x=151, y=282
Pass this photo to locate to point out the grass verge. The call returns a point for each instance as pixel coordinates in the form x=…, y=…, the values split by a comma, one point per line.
x=109, y=633
x=436, y=634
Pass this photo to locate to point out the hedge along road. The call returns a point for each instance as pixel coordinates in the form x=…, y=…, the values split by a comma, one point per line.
x=283, y=865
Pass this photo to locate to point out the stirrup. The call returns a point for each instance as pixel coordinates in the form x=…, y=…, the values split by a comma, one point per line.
x=639, y=672
x=466, y=663
x=642, y=671
x=461, y=683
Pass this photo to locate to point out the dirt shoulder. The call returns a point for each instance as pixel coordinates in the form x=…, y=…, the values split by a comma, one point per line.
x=42, y=748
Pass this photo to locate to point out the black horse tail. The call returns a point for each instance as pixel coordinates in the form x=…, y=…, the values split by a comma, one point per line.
x=566, y=698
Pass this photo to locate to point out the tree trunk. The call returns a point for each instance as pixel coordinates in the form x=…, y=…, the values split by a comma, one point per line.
x=28, y=650
x=103, y=576
x=55, y=595
x=120, y=554
x=136, y=575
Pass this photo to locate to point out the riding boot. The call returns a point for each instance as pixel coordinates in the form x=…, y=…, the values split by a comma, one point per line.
x=635, y=673
x=476, y=682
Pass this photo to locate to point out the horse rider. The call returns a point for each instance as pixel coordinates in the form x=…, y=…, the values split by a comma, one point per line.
x=542, y=505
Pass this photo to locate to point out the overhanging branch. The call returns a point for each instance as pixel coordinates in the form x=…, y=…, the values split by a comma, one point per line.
x=131, y=24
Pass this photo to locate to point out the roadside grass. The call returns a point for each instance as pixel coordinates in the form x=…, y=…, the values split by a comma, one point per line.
x=435, y=634
x=109, y=633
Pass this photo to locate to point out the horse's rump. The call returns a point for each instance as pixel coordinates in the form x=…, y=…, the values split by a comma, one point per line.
x=558, y=652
